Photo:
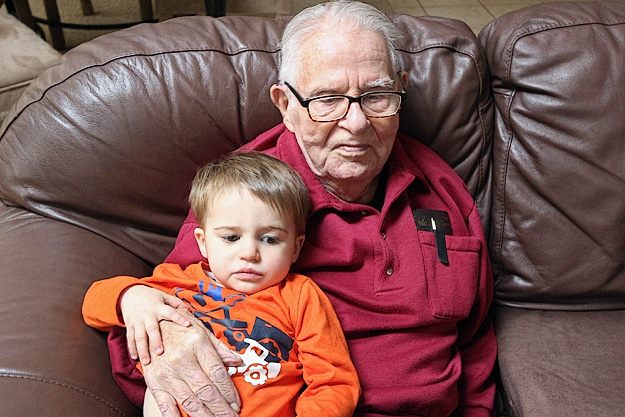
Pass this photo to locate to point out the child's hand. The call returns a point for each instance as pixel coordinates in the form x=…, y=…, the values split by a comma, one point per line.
x=142, y=309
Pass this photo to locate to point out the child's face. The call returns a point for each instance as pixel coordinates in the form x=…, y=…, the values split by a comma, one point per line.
x=249, y=246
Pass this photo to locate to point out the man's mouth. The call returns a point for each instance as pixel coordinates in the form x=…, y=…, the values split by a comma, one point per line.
x=354, y=149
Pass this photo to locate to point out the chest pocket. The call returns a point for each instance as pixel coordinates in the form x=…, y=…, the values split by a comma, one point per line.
x=451, y=288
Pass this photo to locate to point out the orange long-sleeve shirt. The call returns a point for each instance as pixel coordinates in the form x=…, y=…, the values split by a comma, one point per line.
x=288, y=336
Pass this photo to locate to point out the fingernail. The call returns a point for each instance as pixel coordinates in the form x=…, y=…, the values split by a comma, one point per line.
x=235, y=407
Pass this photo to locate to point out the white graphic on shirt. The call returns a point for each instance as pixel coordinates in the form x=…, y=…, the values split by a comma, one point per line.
x=255, y=369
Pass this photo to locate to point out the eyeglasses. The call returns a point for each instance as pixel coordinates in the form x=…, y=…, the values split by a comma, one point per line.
x=377, y=104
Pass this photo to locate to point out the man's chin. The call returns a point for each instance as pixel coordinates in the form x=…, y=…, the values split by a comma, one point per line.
x=354, y=174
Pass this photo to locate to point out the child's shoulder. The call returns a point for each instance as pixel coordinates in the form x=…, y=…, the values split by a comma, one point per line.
x=299, y=283
x=174, y=270
x=296, y=279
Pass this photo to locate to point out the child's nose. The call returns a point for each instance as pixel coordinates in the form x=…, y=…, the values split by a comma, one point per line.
x=249, y=251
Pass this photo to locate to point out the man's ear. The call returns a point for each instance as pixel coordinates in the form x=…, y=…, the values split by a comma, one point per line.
x=280, y=99
x=405, y=78
x=299, y=242
x=201, y=240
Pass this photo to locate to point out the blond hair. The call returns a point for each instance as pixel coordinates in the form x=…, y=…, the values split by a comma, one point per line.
x=270, y=180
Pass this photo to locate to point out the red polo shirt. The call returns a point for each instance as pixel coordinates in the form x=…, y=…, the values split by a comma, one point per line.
x=417, y=329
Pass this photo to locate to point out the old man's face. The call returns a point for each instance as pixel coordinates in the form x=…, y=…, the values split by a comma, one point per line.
x=347, y=154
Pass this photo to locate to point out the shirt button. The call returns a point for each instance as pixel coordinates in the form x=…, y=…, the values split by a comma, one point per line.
x=383, y=235
x=389, y=270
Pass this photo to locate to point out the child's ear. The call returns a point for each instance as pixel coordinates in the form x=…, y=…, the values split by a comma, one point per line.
x=201, y=240
x=299, y=242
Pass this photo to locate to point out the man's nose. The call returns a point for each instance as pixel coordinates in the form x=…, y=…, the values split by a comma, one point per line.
x=355, y=119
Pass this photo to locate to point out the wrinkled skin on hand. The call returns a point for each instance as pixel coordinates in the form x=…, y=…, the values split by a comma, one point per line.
x=191, y=370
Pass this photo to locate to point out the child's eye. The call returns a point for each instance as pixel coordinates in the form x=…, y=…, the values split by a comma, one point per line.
x=270, y=240
x=230, y=238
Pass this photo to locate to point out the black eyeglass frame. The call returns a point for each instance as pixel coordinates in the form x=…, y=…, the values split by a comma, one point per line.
x=305, y=102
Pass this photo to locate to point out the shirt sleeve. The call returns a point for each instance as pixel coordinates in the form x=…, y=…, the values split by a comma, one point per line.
x=100, y=308
x=476, y=340
x=332, y=387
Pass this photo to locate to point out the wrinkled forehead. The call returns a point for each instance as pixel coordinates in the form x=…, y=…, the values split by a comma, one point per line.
x=331, y=59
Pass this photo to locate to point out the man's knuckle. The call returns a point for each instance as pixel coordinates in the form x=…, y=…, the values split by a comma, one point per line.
x=166, y=408
x=207, y=393
x=195, y=335
x=218, y=373
x=191, y=405
x=166, y=404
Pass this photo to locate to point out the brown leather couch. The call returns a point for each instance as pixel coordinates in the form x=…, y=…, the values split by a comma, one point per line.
x=97, y=155
x=558, y=215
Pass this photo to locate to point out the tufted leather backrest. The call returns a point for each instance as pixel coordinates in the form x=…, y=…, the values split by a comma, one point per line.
x=110, y=139
x=559, y=199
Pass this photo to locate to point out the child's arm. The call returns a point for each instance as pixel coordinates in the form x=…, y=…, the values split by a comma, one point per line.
x=142, y=308
x=332, y=382
x=138, y=305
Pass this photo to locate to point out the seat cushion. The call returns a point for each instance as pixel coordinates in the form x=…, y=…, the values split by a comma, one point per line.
x=562, y=363
x=24, y=56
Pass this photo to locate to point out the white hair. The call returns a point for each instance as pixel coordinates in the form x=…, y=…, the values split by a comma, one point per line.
x=337, y=13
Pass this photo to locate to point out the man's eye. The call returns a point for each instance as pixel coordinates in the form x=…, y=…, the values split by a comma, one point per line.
x=328, y=101
x=270, y=240
x=373, y=98
x=230, y=238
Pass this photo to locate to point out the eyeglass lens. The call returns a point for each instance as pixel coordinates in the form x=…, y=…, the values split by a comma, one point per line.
x=336, y=107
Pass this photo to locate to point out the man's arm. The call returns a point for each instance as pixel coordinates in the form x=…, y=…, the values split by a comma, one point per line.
x=190, y=368
x=191, y=371
x=185, y=252
x=477, y=343
x=187, y=356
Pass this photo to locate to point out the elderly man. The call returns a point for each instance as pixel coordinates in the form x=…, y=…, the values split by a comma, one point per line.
x=394, y=240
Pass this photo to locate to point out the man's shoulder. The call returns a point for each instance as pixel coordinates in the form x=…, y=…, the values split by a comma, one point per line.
x=266, y=142
x=419, y=152
x=417, y=156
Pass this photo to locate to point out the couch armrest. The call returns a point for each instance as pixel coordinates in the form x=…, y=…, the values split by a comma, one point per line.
x=36, y=277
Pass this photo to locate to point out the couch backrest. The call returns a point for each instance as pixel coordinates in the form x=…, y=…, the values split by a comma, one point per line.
x=110, y=139
x=558, y=219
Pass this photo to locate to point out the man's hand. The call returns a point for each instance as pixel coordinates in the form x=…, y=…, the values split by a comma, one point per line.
x=191, y=371
x=142, y=309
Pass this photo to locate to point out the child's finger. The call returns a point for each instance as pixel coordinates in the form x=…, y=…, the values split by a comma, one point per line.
x=174, y=302
x=132, y=347
x=143, y=349
x=154, y=338
x=175, y=317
